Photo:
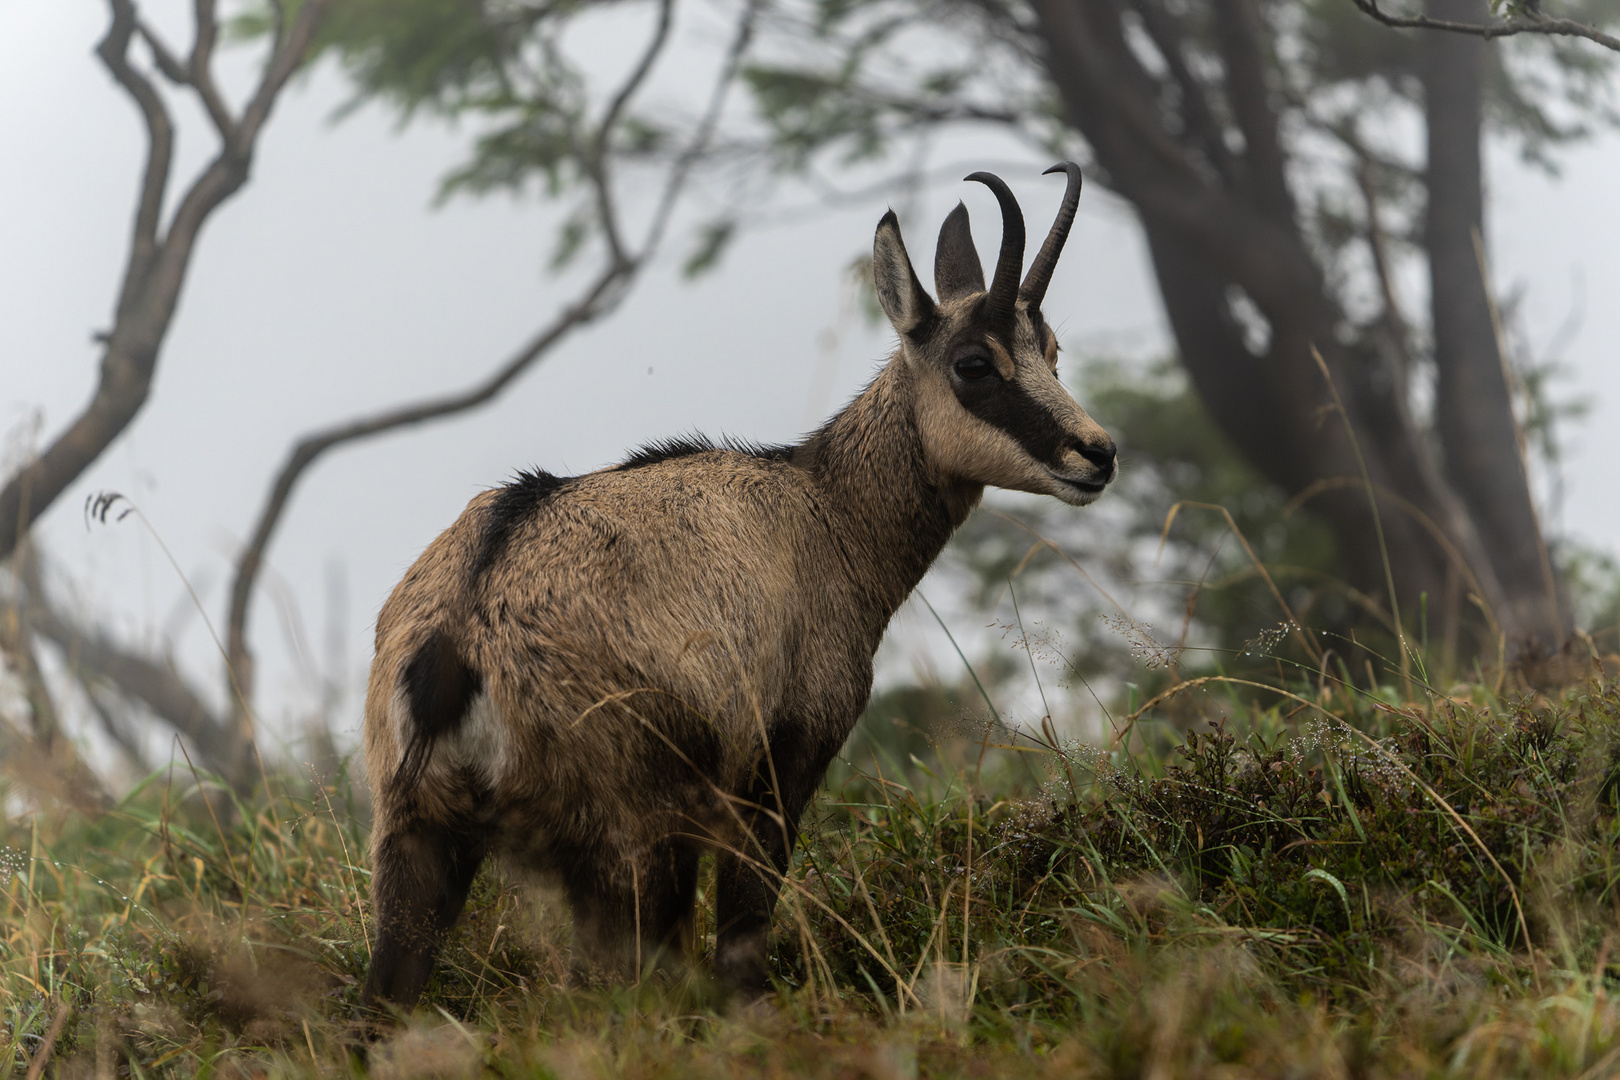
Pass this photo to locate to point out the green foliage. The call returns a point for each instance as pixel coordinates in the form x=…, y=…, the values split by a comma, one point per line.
x=444, y=56
x=539, y=121
x=1594, y=589
x=1325, y=848
x=499, y=64
x=712, y=241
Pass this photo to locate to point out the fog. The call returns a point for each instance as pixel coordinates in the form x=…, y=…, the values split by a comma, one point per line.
x=331, y=286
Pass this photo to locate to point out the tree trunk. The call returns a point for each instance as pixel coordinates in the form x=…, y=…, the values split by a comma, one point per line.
x=1474, y=410
x=1221, y=222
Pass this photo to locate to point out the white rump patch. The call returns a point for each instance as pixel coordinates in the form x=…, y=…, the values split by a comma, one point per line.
x=480, y=742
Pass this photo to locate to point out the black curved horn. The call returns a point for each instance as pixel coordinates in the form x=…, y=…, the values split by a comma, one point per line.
x=1040, y=271
x=1004, y=286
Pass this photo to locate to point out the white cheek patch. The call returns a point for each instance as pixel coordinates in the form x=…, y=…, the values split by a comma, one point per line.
x=961, y=446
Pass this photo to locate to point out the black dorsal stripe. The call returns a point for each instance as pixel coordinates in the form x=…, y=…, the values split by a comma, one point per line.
x=1014, y=410
x=680, y=446
x=514, y=504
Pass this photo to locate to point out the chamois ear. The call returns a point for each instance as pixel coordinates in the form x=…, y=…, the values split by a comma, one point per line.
x=909, y=307
x=957, y=272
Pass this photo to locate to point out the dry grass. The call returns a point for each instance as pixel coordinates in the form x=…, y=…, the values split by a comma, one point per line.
x=1327, y=883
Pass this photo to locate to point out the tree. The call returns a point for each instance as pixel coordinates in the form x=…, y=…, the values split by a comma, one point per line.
x=1526, y=17
x=1276, y=211
x=1240, y=132
x=160, y=253
x=474, y=65
x=160, y=249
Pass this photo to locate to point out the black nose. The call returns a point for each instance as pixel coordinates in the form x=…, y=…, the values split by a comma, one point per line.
x=1100, y=454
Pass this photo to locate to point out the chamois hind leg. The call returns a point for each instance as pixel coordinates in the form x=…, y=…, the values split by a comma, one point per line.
x=420, y=876
x=749, y=877
x=656, y=899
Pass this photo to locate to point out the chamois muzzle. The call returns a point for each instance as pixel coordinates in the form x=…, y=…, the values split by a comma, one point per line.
x=1033, y=290
x=1010, y=264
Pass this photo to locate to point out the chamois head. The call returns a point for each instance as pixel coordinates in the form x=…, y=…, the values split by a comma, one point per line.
x=990, y=407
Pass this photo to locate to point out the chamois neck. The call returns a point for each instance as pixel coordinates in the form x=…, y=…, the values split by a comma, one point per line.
x=890, y=515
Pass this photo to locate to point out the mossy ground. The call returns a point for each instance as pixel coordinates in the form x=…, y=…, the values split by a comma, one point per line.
x=1324, y=881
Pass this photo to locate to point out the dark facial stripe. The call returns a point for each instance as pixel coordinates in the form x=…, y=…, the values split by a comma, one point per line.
x=515, y=504
x=1008, y=406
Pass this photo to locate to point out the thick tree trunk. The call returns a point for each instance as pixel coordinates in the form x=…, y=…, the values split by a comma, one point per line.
x=1474, y=412
x=1220, y=220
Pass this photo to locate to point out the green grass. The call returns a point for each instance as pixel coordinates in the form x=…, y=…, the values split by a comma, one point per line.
x=1322, y=882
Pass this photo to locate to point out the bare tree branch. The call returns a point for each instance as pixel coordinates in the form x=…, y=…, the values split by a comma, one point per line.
x=112, y=725
x=1167, y=37
x=153, y=682
x=163, y=56
x=604, y=293
x=48, y=762
x=596, y=155
x=1533, y=22
x=155, y=270
x=200, y=66
x=1243, y=47
x=194, y=71
x=114, y=53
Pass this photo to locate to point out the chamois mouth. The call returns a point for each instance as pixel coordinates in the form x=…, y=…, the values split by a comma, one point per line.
x=1085, y=491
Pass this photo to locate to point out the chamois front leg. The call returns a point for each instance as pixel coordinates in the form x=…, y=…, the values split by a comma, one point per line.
x=749, y=877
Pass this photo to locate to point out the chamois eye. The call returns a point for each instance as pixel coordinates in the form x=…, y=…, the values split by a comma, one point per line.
x=974, y=367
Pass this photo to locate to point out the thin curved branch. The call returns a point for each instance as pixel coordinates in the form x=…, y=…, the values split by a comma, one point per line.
x=681, y=171
x=200, y=66
x=288, y=57
x=1535, y=23
x=600, y=298
x=163, y=56
x=158, y=259
x=596, y=163
x=192, y=73
x=195, y=71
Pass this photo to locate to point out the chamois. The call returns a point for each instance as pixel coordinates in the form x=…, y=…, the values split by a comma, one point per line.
x=600, y=676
